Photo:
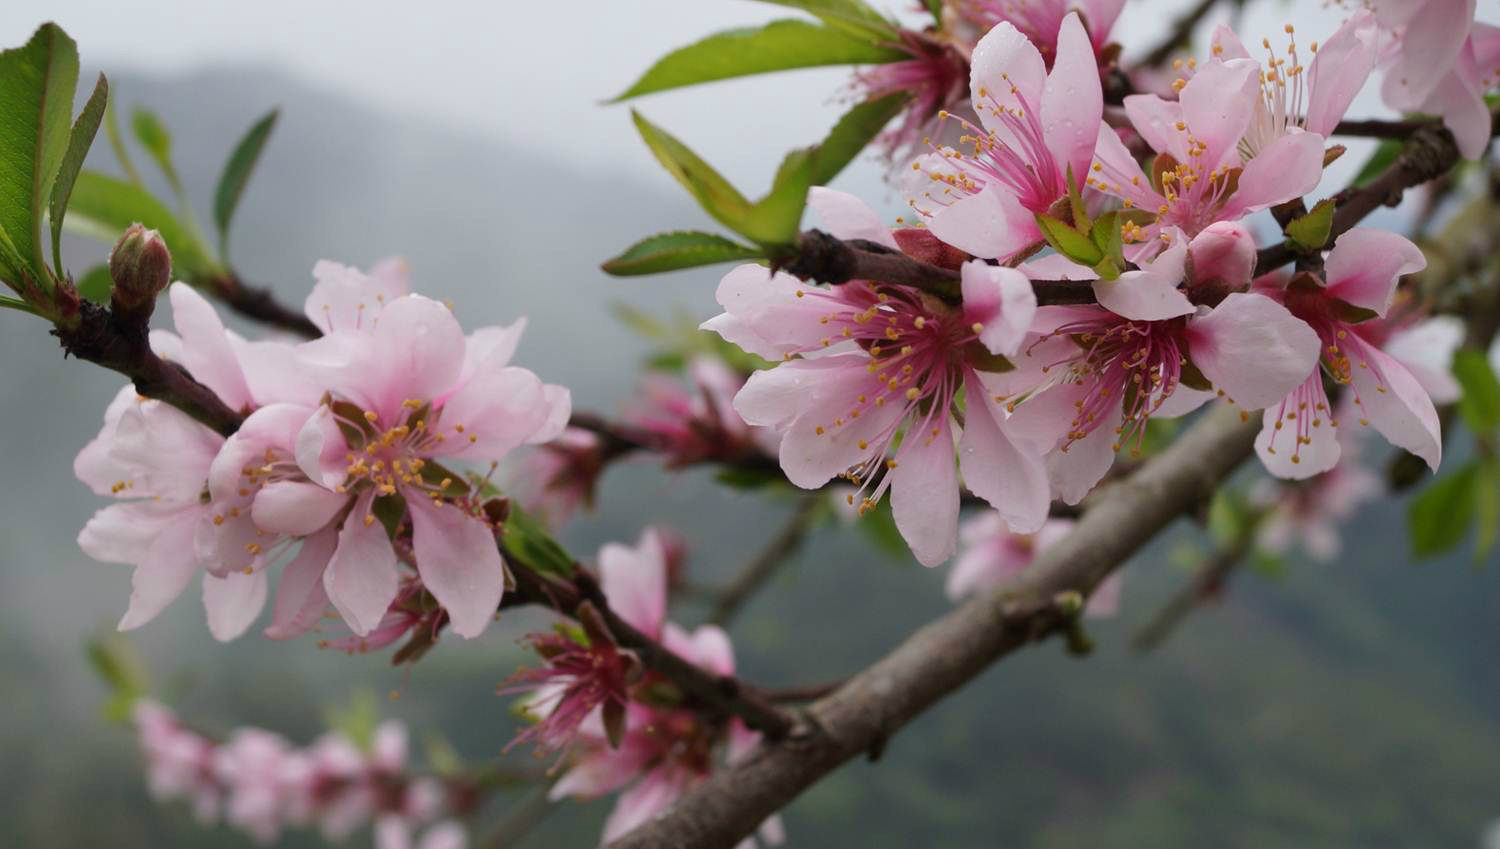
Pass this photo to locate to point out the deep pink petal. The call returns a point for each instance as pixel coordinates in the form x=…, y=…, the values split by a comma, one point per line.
x=1072, y=100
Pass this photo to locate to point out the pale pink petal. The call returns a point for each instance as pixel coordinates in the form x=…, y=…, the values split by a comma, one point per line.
x=1339, y=70
x=361, y=579
x=736, y=331
x=635, y=581
x=1120, y=174
x=491, y=348
x=1426, y=349
x=1150, y=293
x=707, y=646
x=1434, y=35
x=233, y=602
x=1277, y=448
x=774, y=396
x=1072, y=100
x=1005, y=60
x=320, y=449
x=1182, y=401
x=274, y=375
x=1104, y=601
x=559, y=403
x=418, y=349
x=1225, y=45
x=1001, y=301
x=771, y=310
x=125, y=533
x=1224, y=251
x=1042, y=420
x=924, y=492
x=1217, y=104
x=814, y=448
x=604, y=770
x=847, y=217
x=495, y=413
x=1395, y=403
x=1076, y=471
x=206, y=352
x=95, y=465
x=1365, y=264
x=991, y=224
x=459, y=563
x=1156, y=120
x=160, y=578
x=346, y=299
x=295, y=508
x=1287, y=168
x=300, y=596
x=1253, y=349
x=1011, y=477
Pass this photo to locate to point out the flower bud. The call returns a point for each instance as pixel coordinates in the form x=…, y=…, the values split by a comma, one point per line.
x=140, y=266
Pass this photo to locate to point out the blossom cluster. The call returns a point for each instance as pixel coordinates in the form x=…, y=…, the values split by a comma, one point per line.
x=338, y=470
x=897, y=389
x=260, y=783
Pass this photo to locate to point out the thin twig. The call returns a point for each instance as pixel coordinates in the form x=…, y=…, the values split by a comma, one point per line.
x=519, y=821
x=764, y=564
x=260, y=304
x=1180, y=35
x=1208, y=582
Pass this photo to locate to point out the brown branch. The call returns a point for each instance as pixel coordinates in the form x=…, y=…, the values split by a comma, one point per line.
x=766, y=561
x=119, y=342
x=948, y=653
x=1429, y=153
x=259, y=303
x=828, y=259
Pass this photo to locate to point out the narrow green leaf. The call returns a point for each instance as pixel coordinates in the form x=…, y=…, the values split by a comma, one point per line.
x=1311, y=231
x=13, y=267
x=934, y=8
x=1437, y=519
x=1480, y=403
x=1486, y=508
x=96, y=285
x=714, y=193
x=776, y=218
x=852, y=16
x=674, y=251
x=1385, y=153
x=528, y=541
x=103, y=206
x=237, y=173
x=16, y=304
x=777, y=46
x=79, y=142
x=853, y=132
x=37, y=82
x=117, y=143
x=1069, y=242
x=153, y=135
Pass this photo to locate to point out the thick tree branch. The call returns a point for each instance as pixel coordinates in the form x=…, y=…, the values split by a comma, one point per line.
x=948, y=653
x=259, y=304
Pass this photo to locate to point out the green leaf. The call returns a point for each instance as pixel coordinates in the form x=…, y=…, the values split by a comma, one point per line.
x=153, y=135
x=1438, y=518
x=79, y=142
x=1107, y=237
x=852, y=16
x=714, y=193
x=237, y=173
x=853, y=132
x=103, y=207
x=1311, y=231
x=116, y=661
x=777, y=46
x=1381, y=159
x=17, y=304
x=96, y=285
x=528, y=541
x=37, y=82
x=934, y=8
x=1486, y=508
x=775, y=219
x=117, y=143
x=1069, y=242
x=737, y=478
x=674, y=251
x=1480, y=403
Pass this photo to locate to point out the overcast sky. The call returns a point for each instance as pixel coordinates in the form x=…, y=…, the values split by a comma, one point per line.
x=513, y=68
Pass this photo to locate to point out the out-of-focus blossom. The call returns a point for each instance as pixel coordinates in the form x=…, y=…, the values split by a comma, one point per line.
x=935, y=77
x=1041, y=21
x=698, y=422
x=559, y=476
x=1441, y=61
x=863, y=364
x=1299, y=437
x=1037, y=128
x=992, y=554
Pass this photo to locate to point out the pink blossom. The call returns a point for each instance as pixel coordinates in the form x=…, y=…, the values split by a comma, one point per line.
x=934, y=77
x=1038, y=128
x=1441, y=61
x=862, y=364
x=395, y=833
x=1359, y=282
x=578, y=678
x=179, y=762
x=664, y=749
x=1090, y=379
x=1311, y=97
x=993, y=554
x=406, y=388
x=559, y=476
x=1199, y=175
x=699, y=424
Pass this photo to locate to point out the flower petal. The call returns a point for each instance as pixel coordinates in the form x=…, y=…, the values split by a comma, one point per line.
x=1225, y=252
x=206, y=352
x=849, y=217
x=495, y=413
x=459, y=563
x=991, y=224
x=1005, y=64
x=1288, y=168
x=1276, y=447
x=1253, y=348
x=1150, y=293
x=1002, y=300
x=1395, y=403
x=161, y=577
x=1011, y=477
x=1365, y=265
x=300, y=596
x=1072, y=100
x=233, y=602
x=924, y=492
x=361, y=578
x=1217, y=104
x=634, y=581
x=1339, y=70
x=295, y=508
